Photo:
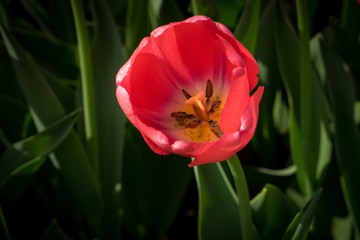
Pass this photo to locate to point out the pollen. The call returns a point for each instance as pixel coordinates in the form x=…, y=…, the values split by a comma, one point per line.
x=199, y=117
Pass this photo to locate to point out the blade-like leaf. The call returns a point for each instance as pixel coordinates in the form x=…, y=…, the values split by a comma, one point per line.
x=247, y=28
x=299, y=226
x=39, y=14
x=4, y=232
x=163, y=12
x=266, y=136
x=332, y=214
x=62, y=89
x=311, y=159
x=272, y=212
x=228, y=12
x=69, y=158
x=34, y=89
x=347, y=136
x=280, y=114
x=137, y=24
x=257, y=177
x=61, y=61
x=350, y=17
x=199, y=8
x=108, y=56
x=54, y=232
x=288, y=54
x=32, y=149
x=153, y=188
x=218, y=207
x=15, y=111
x=154, y=12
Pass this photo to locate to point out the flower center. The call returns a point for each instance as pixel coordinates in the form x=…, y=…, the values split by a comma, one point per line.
x=199, y=118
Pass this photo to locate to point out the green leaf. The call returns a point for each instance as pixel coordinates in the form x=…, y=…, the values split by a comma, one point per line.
x=108, y=56
x=347, y=136
x=350, y=16
x=164, y=12
x=53, y=18
x=246, y=30
x=227, y=12
x=299, y=227
x=61, y=61
x=266, y=137
x=199, y=8
x=257, y=177
x=4, y=232
x=153, y=188
x=272, y=212
x=332, y=219
x=24, y=153
x=7, y=84
x=54, y=232
x=345, y=44
x=35, y=89
x=62, y=88
x=15, y=111
x=287, y=48
x=218, y=206
x=62, y=22
x=137, y=24
x=357, y=112
x=311, y=161
x=39, y=15
x=69, y=158
x=280, y=114
x=170, y=12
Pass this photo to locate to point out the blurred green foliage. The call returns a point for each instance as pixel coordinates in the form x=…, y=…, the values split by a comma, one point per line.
x=49, y=189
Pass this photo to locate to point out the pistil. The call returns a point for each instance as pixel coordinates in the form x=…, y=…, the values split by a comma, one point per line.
x=203, y=122
x=198, y=106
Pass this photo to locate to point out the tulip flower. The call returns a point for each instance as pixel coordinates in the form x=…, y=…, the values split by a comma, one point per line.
x=187, y=87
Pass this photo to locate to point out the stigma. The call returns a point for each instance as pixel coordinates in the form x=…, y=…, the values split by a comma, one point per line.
x=199, y=117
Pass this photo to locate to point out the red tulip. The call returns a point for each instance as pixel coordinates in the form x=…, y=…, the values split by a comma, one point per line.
x=187, y=87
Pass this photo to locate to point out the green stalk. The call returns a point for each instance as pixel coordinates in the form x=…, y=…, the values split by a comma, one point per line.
x=243, y=197
x=3, y=16
x=345, y=18
x=196, y=6
x=87, y=83
x=305, y=85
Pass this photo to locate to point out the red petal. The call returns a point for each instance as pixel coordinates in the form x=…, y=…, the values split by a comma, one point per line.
x=250, y=117
x=189, y=48
x=238, y=98
x=189, y=149
x=220, y=151
x=154, y=147
x=151, y=88
x=161, y=143
x=252, y=67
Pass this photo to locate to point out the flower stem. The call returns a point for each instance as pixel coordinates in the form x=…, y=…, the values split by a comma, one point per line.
x=243, y=197
x=305, y=85
x=87, y=83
